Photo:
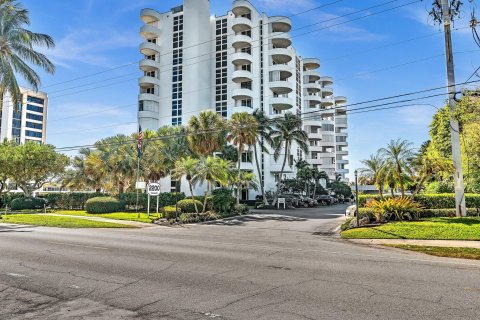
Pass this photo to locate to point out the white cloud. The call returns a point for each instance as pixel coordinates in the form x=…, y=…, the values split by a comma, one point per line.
x=419, y=115
x=286, y=5
x=90, y=46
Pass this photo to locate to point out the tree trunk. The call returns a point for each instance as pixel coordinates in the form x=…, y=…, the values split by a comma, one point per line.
x=193, y=197
x=238, y=177
x=260, y=179
x=281, y=174
x=419, y=186
x=206, y=195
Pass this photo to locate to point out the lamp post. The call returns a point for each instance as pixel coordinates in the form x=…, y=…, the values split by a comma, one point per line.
x=356, y=198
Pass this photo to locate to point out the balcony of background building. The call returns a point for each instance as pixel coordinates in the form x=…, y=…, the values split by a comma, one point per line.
x=280, y=24
x=281, y=40
x=149, y=15
x=311, y=64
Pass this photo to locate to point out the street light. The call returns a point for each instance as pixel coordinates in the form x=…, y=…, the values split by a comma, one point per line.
x=356, y=198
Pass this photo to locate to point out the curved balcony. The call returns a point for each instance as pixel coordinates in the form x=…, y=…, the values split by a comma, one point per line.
x=311, y=63
x=240, y=41
x=148, y=48
x=326, y=121
x=327, y=102
x=148, y=81
x=281, y=103
x=341, y=143
x=281, y=87
x=342, y=152
x=241, y=24
x=280, y=24
x=241, y=7
x=327, y=92
x=241, y=94
x=281, y=55
x=312, y=75
x=241, y=58
x=149, y=97
x=313, y=87
x=313, y=100
x=326, y=81
x=149, y=32
x=286, y=71
x=148, y=65
x=281, y=39
x=241, y=76
x=341, y=125
x=315, y=136
x=149, y=15
x=343, y=161
x=147, y=115
x=242, y=109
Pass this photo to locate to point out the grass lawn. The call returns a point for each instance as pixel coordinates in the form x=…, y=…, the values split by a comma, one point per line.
x=451, y=252
x=60, y=222
x=426, y=229
x=129, y=216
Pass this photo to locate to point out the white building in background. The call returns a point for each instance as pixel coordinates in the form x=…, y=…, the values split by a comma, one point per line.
x=29, y=121
x=238, y=62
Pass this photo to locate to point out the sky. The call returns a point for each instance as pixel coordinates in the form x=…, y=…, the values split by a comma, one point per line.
x=93, y=93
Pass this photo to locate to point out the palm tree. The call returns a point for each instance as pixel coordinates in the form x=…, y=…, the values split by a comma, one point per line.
x=211, y=169
x=285, y=132
x=263, y=135
x=398, y=154
x=242, y=132
x=17, y=51
x=207, y=133
x=374, y=166
x=79, y=177
x=153, y=161
x=187, y=167
x=246, y=180
x=317, y=175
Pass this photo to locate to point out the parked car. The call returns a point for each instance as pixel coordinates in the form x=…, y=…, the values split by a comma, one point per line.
x=325, y=199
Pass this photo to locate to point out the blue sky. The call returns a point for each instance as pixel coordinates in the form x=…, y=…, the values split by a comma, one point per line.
x=93, y=36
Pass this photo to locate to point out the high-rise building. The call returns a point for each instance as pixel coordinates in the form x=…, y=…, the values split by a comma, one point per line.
x=241, y=61
x=27, y=122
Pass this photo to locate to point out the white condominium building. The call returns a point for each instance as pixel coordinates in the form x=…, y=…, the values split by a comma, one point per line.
x=28, y=122
x=241, y=61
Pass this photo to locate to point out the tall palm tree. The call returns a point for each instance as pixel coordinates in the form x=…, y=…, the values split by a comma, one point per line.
x=263, y=137
x=286, y=131
x=246, y=180
x=17, y=50
x=374, y=167
x=317, y=175
x=187, y=167
x=207, y=133
x=211, y=169
x=242, y=129
x=398, y=154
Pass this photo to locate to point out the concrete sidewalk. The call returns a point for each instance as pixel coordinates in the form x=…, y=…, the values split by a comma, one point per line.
x=432, y=243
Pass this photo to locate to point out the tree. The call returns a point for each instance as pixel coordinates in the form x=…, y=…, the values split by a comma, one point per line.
x=263, y=137
x=317, y=176
x=17, y=51
x=243, y=129
x=207, y=133
x=341, y=188
x=36, y=164
x=245, y=180
x=229, y=153
x=374, y=167
x=285, y=132
x=211, y=169
x=152, y=161
x=398, y=154
x=78, y=177
x=6, y=163
x=187, y=167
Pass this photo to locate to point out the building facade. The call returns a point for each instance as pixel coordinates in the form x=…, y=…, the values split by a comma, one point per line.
x=28, y=122
x=241, y=61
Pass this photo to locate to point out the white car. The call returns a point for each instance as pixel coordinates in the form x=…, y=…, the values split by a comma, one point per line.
x=350, y=211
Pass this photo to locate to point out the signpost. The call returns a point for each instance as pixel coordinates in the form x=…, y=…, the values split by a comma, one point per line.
x=153, y=189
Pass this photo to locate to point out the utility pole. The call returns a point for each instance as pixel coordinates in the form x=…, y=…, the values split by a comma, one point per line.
x=357, y=209
x=454, y=127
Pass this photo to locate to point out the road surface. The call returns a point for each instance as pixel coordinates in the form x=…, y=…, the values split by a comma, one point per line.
x=257, y=267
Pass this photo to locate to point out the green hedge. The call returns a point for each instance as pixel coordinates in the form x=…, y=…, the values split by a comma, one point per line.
x=7, y=198
x=104, y=205
x=427, y=213
x=165, y=199
x=188, y=205
x=431, y=201
x=28, y=203
x=170, y=212
x=70, y=200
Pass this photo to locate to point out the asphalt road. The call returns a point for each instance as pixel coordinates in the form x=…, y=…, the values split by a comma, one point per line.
x=257, y=267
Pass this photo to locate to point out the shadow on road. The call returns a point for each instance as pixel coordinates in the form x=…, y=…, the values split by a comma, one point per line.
x=239, y=221
x=11, y=228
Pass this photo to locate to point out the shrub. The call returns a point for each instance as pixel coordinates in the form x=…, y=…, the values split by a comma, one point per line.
x=28, y=203
x=400, y=208
x=188, y=205
x=197, y=217
x=439, y=187
x=170, y=212
x=430, y=201
x=346, y=224
x=222, y=200
x=69, y=201
x=165, y=199
x=426, y=213
x=7, y=198
x=241, y=209
x=104, y=205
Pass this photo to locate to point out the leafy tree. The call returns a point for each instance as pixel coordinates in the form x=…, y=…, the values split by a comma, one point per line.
x=229, y=153
x=440, y=132
x=207, y=133
x=78, y=177
x=341, y=188
x=187, y=167
x=36, y=164
x=398, y=154
x=6, y=163
x=242, y=132
x=286, y=131
x=17, y=50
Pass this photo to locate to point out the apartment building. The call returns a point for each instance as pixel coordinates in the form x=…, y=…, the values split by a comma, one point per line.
x=28, y=122
x=241, y=61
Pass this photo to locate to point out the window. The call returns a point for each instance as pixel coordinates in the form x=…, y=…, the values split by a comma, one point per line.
x=33, y=134
x=247, y=67
x=341, y=139
x=33, y=125
x=151, y=57
x=246, y=85
x=246, y=103
x=247, y=157
x=35, y=100
x=34, y=108
x=140, y=106
x=152, y=40
x=34, y=117
x=150, y=74
x=328, y=127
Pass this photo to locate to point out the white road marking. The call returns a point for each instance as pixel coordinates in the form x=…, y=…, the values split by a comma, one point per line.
x=15, y=275
x=74, y=287
x=77, y=245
